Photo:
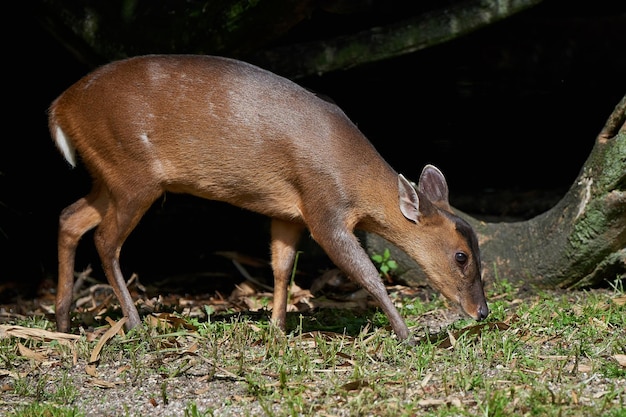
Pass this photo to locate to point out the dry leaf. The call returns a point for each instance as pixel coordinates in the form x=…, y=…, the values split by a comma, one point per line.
x=14, y=375
x=431, y=402
x=95, y=353
x=192, y=349
x=600, y=394
x=112, y=323
x=202, y=391
x=620, y=301
x=254, y=303
x=451, y=339
x=355, y=385
x=577, y=309
x=174, y=322
x=298, y=295
x=122, y=369
x=243, y=289
x=91, y=370
x=30, y=354
x=102, y=383
x=599, y=323
x=455, y=401
x=621, y=359
x=37, y=334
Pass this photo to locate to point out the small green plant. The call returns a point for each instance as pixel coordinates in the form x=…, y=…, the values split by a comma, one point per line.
x=192, y=411
x=65, y=391
x=386, y=265
x=501, y=288
x=45, y=410
x=533, y=356
x=618, y=285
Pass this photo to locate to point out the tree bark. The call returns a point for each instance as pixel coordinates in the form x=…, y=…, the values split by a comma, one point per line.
x=99, y=33
x=580, y=242
x=379, y=43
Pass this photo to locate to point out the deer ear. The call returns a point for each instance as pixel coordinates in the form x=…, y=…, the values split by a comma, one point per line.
x=409, y=201
x=433, y=185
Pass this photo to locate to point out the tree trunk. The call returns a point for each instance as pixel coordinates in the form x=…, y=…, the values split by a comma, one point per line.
x=580, y=242
x=379, y=43
x=98, y=32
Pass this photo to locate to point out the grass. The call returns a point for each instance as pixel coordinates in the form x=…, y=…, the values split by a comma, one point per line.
x=540, y=353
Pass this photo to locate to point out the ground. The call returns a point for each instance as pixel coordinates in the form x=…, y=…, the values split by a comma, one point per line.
x=216, y=354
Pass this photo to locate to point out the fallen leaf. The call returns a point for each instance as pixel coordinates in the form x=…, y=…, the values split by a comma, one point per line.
x=202, y=391
x=243, y=289
x=621, y=359
x=122, y=369
x=174, y=321
x=102, y=383
x=112, y=323
x=91, y=370
x=452, y=339
x=299, y=296
x=455, y=401
x=37, y=334
x=574, y=397
x=14, y=375
x=30, y=354
x=620, y=301
x=431, y=402
x=95, y=353
x=355, y=385
x=599, y=323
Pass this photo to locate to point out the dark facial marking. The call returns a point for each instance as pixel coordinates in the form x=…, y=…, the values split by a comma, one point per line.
x=468, y=234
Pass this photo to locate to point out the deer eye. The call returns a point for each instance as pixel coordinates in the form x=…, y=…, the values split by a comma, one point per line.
x=461, y=258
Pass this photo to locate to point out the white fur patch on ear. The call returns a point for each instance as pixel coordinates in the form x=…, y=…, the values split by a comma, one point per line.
x=409, y=201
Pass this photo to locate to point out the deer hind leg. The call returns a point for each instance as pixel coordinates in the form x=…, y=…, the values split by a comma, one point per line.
x=75, y=220
x=285, y=237
x=124, y=212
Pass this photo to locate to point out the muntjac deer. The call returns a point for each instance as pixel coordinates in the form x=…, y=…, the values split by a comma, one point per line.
x=226, y=130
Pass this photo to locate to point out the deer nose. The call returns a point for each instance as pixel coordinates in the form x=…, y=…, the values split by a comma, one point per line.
x=483, y=312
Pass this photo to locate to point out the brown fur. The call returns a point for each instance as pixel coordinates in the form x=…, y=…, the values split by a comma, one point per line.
x=225, y=130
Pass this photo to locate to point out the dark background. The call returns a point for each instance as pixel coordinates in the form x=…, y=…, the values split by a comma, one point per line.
x=508, y=113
